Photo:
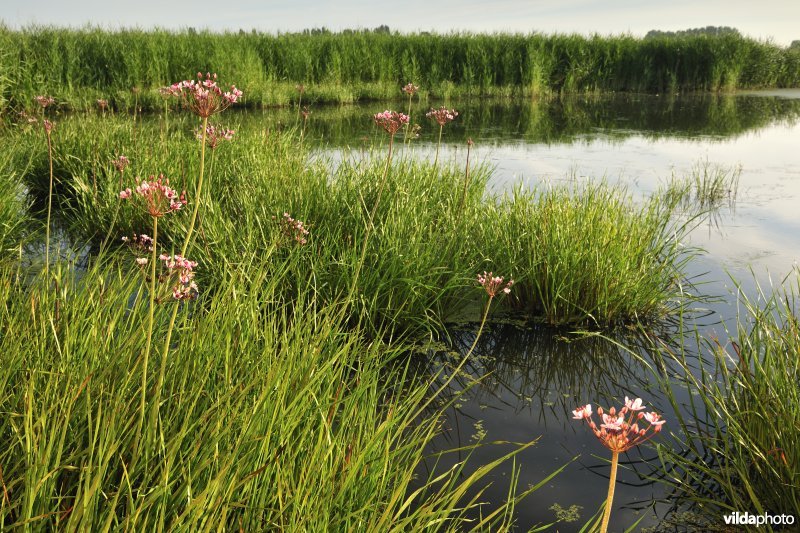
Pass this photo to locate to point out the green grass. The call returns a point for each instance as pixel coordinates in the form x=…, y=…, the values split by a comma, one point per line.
x=739, y=437
x=287, y=401
x=79, y=66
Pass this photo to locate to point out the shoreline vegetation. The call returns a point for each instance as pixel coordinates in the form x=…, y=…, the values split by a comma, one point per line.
x=127, y=67
x=260, y=373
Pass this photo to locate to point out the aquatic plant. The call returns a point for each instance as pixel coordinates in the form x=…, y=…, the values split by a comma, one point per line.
x=619, y=432
x=442, y=116
x=156, y=198
x=410, y=89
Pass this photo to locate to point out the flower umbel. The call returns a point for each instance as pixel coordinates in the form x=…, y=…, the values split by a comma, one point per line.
x=391, y=121
x=44, y=101
x=181, y=270
x=293, y=230
x=215, y=135
x=410, y=89
x=159, y=198
x=442, y=115
x=203, y=96
x=620, y=430
x=494, y=284
x=120, y=163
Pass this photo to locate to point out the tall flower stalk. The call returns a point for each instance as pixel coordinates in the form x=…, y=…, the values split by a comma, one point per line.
x=47, y=127
x=204, y=98
x=619, y=432
x=391, y=122
x=466, y=183
x=442, y=116
x=410, y=89
x=157, y=198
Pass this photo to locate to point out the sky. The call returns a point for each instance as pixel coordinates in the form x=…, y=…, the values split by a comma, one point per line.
x=776, y=20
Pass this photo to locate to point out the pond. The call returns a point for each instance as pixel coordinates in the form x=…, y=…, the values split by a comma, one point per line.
x=532, y=377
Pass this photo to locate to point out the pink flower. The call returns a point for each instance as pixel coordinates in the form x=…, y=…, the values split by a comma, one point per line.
x=292, y=229
x=141, y=261
x=156, y=195
x=48, y=126
x=634, y=405
x=204, y=97
x=410, y=89
x=391, y=121
x=44, y=101
x=215, y=135
x=494, y=284
x=620, y=431
x=582, y=412
x=120, y=163
x=442, y=115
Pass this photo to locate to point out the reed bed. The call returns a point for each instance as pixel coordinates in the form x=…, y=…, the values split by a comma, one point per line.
x=80, y=66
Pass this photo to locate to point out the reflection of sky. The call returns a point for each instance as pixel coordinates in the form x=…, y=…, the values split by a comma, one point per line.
x=761, y=230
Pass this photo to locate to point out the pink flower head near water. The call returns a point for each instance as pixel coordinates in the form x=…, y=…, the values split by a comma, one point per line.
x=494, y=284
x=159, y=198
x=292, y=229
x=620, y=430
x=203, y=96
x=410, y=89
x=442, y=115
x=391, y=121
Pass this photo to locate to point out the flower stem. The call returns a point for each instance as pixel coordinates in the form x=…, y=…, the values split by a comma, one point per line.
x=49, y=205
x=371, y=217
x=198, y=190
x=438, y=143
x=408, y=124
x=612, y=481
x=466, y=184
x=150, y=320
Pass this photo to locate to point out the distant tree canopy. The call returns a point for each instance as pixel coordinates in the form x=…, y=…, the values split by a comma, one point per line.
x=712, y=31
x=795, y=45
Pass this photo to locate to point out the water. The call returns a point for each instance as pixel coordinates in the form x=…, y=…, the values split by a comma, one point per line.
x=525, y=380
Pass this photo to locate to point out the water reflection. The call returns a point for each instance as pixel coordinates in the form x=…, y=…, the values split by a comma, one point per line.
x=523, y=382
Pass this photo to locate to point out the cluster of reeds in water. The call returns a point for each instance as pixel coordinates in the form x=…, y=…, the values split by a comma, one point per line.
x=563, y=248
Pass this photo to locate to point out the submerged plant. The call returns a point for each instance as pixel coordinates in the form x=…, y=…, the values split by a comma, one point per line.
x=619, y=432
x=442, y=116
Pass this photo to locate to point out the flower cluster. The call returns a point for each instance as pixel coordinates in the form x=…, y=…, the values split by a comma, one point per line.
x=215, y=135
x=442, y=115
x=102, y=104
x=158, y=196
x=300, y=88
x=293, y=229
x=620, y=430
x=48, y=126
x=410, y=89
x=141, y=242
x=44, y=101
x=391, y=121
x=494, y=284
x=120, y=163
x=203, y=96
x=182, y=270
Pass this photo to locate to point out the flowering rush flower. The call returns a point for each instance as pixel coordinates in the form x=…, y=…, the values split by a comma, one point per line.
x=410, y=89
x=158, y=196
x=44, y=101
x=48, y=126
x=102, y=104
x=494, y=284
x=120, y=163
x=140, y=243
x=203, y=96
x=620, y=430
x=391, y=121
x=293, y=229
x=215, y=135
x=181, y=269
x=442, y=115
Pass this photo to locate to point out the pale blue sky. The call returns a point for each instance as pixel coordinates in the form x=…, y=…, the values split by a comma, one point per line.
x=775, y=19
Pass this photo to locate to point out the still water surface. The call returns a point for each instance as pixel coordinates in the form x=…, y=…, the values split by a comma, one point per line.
x=531, y=378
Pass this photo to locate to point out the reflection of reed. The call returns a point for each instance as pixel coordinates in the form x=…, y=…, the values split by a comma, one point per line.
x=568, y=119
